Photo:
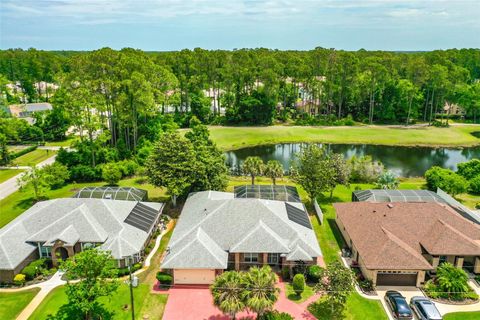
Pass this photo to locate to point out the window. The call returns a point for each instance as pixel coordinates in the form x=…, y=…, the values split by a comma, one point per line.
x=442, y=259
x=273, y=258
x=45, y=252
x=251, y=257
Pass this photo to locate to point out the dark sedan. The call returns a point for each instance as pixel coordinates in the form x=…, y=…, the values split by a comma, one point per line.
x=399, y=306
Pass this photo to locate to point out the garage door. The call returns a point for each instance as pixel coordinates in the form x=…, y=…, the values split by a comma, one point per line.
x=396, y=279
x=194, y=276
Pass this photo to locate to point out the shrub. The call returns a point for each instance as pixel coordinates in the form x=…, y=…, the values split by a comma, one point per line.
x=298, y=283
x=164, y=278
x=452, y=280
x=445, y=179
x=313, y=273
x=83, y=173
x=285, y=273
x=124, y=271
x=475, y=185
x=22, y=152
x=19, y=279
x=56, y=174
x=365, y=169
x=111, y=173
x=34, y=268
x=275, y=315
x=469, y=169
x=366, y=285
x=128, y=167
x=29, y=272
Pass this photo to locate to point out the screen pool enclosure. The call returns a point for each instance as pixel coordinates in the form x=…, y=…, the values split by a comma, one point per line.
x=113, y=193
x=268, y=192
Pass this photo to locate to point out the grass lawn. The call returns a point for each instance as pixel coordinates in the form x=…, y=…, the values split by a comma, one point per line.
x=11, y=304
x=6, y=174
x=19, y=201
x=64, y=143
x=119, y=303
x=474, y=315
x=357, y=308
x=34, y=157
x=229, y=138
x=291, y=295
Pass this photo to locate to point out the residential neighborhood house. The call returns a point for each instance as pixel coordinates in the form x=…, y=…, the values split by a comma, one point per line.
x=218, y=231
x=397, y=243
x=60, y=228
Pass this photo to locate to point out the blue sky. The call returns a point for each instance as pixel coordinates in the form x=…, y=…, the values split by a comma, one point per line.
x=228, y=24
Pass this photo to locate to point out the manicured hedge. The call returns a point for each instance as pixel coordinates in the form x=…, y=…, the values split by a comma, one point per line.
x=22, y=152
x=164, y=278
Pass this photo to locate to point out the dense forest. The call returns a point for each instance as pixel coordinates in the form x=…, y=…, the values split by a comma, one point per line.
x=126, y=98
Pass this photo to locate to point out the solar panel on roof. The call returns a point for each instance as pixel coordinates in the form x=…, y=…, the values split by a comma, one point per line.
x=142, y=217
x=298, y=216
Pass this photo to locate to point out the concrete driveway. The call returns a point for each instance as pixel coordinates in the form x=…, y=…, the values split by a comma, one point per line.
x=407, y=292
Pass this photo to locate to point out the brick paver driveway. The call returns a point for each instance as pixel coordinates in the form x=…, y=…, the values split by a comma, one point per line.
x=196, y=303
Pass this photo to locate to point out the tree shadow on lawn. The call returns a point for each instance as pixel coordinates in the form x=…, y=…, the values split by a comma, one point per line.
x=294, y=297
x=70, y=312
x=322, y=310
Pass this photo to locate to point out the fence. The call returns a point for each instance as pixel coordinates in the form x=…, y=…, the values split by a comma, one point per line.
x=318, y=211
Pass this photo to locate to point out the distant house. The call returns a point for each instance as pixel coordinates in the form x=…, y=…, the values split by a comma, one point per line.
x=60, y=228
x=396, y=243
x=25, y=111
x=217, y=231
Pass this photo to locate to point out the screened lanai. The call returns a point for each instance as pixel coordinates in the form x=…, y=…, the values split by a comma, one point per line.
x=268, y=192
x=113, y=193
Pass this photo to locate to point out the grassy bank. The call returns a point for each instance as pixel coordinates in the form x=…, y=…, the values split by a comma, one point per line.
x=34, y=157
x=474, y=315
x=11, y=304
x=6, y=174
x=229, y=138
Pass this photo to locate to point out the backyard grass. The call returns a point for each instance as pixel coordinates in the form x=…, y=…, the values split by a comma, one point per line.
x=19, y=201
x=64, y=143
x=34, y=157
x=6, y=174
x=11, y=304
x=291, y=295
x=146, y=303
x=474, y=315
x=230, y=138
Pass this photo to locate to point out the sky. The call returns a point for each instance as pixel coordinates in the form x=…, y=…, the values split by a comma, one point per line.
x=164, y=25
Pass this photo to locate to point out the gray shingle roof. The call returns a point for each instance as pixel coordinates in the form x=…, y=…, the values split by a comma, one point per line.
x=236, y=225
x=72, y=220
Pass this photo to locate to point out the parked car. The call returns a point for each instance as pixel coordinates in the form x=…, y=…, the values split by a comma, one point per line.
x=398, y=305
x=425, y=309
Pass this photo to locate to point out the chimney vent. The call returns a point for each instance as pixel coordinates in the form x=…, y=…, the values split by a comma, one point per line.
x=390, y=205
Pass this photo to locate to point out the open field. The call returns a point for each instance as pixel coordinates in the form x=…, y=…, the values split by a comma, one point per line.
x=34, y=157
x=6, y=174
x=145, y=303
x=11, y=304
x=19, y=201
x=229, y=138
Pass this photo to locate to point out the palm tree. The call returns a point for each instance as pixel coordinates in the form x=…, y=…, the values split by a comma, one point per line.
x=227, y=291
x=451, y=279
x=274, y=170
x=253, y=166
x=387, y=180
x=260, y=292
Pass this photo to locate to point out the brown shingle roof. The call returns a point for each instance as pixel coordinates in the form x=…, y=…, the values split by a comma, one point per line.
x=391, y=236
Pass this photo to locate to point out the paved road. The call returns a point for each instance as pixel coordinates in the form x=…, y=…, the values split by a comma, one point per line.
x=10, y=186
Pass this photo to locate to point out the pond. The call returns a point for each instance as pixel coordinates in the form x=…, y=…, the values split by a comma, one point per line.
x=403, y=161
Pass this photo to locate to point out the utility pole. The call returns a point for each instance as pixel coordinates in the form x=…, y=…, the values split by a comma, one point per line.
x=131, y=287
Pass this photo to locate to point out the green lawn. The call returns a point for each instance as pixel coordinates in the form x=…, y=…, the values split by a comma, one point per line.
x=474, y=315
x=119, y=303
x=291, y=295
x=229, y=138
x=11, y=304
x=34, y=157
x=64, y=143
x=19, y=201
x=6, y=174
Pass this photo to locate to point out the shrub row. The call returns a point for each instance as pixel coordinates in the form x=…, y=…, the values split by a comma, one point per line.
x=164, y=278
x=124, y=271
x=22, y=152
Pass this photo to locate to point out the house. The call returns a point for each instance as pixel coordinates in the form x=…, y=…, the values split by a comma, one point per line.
x=60, y=228
x=396, y=243
x=217, y=231
x=25, y=111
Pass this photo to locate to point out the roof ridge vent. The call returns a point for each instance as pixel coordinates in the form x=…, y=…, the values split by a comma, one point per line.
x=390, y=205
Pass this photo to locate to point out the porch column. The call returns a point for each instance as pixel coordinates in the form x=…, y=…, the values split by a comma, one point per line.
x=264, y=258
x=459, y=262
x=237, y=261
x=476, y=266
x=435, y=261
